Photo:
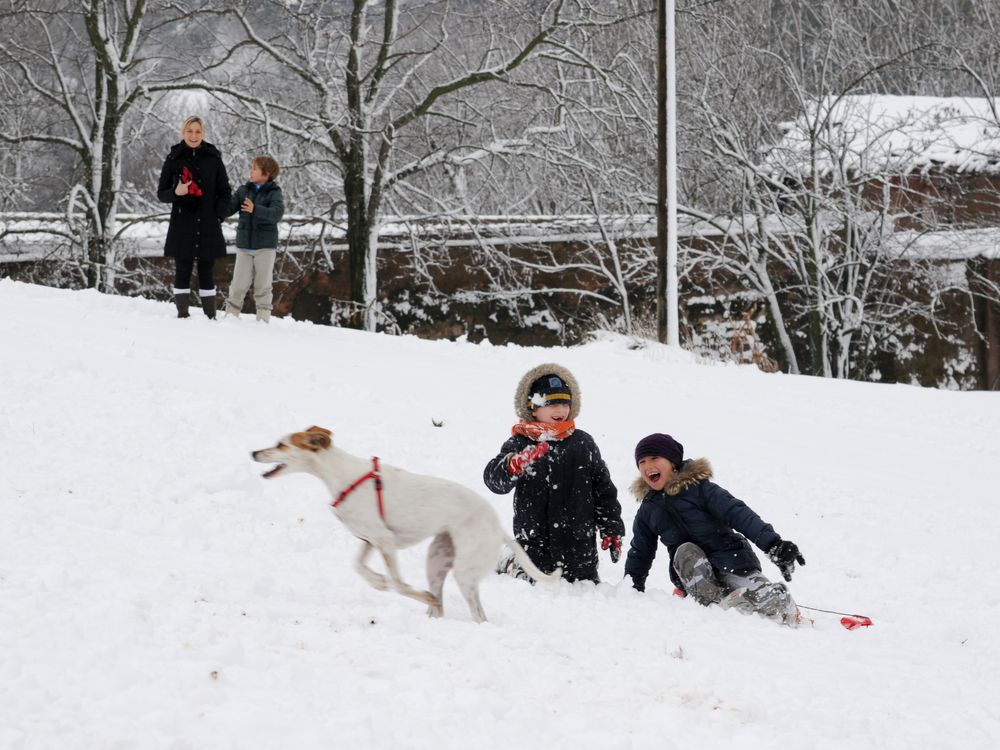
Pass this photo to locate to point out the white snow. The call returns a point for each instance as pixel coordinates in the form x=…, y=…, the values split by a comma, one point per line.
x=156, y=592
x=875, y=132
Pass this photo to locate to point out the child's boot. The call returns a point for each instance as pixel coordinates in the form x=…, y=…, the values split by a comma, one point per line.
x=772, y=600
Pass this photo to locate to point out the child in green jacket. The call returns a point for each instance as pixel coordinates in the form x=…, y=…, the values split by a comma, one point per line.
x=261, y=206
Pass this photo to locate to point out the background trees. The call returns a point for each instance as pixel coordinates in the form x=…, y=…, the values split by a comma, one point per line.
x=72, y=72
x=804, y=202
x=445, y=110
x=419, y=106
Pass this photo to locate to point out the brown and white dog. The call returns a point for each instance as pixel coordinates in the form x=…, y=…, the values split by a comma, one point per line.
x=390, y=509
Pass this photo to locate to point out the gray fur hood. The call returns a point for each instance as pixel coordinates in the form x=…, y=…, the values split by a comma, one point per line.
x=692, y=472
x=521, y=394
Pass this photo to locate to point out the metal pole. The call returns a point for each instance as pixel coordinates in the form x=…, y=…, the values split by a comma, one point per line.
x=673, y=309
x=667, y=328
x=661, y=171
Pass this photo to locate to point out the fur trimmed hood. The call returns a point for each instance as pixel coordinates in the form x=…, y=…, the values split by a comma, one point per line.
x=521, y=394
x=692, y=472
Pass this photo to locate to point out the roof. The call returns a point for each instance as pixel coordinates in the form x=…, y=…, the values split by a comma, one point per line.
x=876, y=133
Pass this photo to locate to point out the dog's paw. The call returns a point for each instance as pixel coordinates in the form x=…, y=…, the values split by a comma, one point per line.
x=435, y=610
x=376, y=580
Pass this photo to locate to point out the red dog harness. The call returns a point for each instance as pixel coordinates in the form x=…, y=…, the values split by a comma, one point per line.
x=373, y=474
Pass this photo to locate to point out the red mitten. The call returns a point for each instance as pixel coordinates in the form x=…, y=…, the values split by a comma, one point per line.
x=521, y=461
x=193, y=188
x=614, y=545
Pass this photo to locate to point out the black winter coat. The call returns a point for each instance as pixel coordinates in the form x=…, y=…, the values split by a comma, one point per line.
x=693, y=509
x=259, y=229
x=195, y=229
x=561, y=502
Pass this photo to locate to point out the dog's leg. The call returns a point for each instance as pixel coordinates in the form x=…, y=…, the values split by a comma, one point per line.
x=468, y=584
x=389, y=555
x=440, y=558
x=375, y=580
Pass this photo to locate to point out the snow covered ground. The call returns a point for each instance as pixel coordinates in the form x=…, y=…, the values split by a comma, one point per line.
x=155, y=592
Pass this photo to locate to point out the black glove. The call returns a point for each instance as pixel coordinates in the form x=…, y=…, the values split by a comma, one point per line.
x=785, y=555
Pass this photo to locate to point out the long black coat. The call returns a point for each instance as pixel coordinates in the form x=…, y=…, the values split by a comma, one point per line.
x=561, y=503
x=195, y=229
x=693, y=509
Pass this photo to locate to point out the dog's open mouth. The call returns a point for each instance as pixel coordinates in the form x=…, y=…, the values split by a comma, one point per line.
x=271, y=472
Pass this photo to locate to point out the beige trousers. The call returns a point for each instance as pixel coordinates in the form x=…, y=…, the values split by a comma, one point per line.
x=254, y=268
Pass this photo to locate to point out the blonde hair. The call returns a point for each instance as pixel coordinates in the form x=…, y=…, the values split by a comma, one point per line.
x=268, y=165
x=190, y=120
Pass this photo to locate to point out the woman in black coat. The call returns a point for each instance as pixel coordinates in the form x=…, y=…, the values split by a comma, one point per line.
x=194, y=180
x=707, y=533
x=563, y=494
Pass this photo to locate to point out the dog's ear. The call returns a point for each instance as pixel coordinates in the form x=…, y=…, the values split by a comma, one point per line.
x=323, y=430
x=312, y=441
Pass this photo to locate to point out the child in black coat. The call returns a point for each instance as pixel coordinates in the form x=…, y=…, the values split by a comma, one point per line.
x=563, y=494
x=706, y=531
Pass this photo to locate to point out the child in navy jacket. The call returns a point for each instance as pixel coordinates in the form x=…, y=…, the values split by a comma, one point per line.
x=707, y=533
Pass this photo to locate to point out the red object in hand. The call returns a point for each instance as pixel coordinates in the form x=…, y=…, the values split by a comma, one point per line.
x=853, y=622
x=521, y=461
x=193, y=188
x=614, y=544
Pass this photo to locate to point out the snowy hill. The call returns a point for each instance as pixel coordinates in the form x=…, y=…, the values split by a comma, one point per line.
x=155, y=592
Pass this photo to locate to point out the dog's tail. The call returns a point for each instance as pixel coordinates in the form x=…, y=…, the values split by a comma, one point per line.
x=529, y=567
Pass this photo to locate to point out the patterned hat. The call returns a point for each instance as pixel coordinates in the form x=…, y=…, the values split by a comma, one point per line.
x=548, y=390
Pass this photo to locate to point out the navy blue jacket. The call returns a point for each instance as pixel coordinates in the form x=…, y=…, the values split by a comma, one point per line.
x=693, y=509
x=561, y=503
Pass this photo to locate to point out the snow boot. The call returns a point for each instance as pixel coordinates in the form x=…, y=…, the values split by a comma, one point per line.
x=772, y=600
x=264, y=316
x=208, y=307
x=182, y=301
x=697, y=574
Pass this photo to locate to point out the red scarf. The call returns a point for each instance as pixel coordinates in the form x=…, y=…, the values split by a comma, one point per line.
x=544, y=430
x=193, y=188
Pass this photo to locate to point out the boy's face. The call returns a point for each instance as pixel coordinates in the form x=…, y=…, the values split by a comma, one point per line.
x=551, y=413
x=656, y=471
x=257, y=175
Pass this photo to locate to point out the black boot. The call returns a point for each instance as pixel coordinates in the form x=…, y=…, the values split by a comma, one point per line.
x=208, y=306
x=182, y=301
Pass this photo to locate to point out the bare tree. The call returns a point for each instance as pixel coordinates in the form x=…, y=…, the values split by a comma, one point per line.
x=806, y=226
x=387, y=94
x=75, y=70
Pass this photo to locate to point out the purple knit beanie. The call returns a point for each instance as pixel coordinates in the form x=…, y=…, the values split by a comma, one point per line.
x=661, y=445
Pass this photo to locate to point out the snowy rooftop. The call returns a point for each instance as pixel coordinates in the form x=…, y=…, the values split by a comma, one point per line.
x=899, y=134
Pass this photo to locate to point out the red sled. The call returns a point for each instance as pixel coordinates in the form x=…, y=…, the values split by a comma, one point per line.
x=853, y=622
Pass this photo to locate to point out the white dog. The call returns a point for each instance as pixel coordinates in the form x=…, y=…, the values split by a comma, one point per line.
x=389, y=509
